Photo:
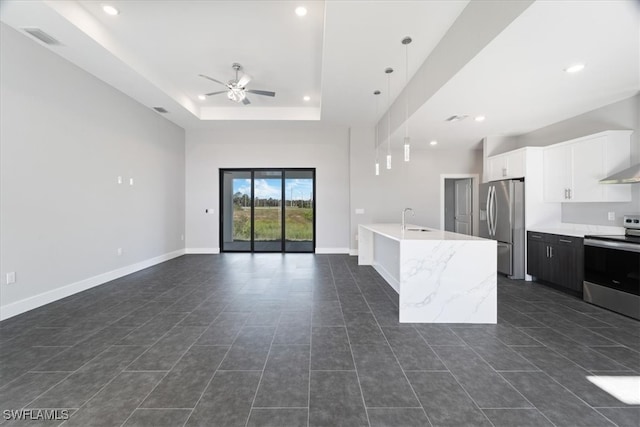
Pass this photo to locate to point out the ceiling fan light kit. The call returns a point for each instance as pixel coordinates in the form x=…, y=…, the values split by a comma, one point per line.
x=236, y=88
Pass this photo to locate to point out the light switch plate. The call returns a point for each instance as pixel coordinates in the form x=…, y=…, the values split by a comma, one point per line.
x=611, y=216
x=11, y=277
x=359, y=211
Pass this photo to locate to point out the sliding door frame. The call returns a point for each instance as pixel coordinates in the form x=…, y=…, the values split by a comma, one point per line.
x=283, y=172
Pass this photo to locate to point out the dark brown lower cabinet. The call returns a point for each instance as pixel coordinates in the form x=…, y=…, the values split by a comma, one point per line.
x=556, y=260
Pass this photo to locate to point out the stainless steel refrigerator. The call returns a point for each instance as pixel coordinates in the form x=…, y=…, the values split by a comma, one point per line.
x=502, y=219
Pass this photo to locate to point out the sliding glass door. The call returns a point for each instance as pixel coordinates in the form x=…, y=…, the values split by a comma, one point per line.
x=267, y=210
x=299, y=209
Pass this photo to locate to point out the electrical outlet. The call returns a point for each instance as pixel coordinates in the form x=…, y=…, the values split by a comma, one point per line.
x=130, y=181
x=119, y=251
x=11, y=277
x=119, y=180
x=611, y=216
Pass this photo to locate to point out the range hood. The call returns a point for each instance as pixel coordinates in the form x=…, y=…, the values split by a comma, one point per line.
x=628, y=176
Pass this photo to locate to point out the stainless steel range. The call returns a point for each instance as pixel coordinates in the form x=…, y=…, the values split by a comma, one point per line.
x=612, y=269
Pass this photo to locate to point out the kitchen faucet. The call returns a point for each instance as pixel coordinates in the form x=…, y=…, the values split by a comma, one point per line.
x=404, y=212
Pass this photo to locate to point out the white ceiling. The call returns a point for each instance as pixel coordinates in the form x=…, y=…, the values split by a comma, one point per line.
x=154, y=50
x=518, y=81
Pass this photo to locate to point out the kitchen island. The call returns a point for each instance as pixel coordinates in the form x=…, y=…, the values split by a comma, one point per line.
x=440, y=276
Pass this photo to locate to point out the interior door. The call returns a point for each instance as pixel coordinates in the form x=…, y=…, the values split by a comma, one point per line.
x=463, y=209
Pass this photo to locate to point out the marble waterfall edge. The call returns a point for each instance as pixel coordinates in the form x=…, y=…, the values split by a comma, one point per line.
x=448, y=282
x=441, y=277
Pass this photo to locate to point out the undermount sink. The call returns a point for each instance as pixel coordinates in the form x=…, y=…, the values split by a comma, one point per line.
x=417, y=229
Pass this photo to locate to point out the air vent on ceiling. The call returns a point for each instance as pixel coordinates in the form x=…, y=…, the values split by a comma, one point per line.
x=456, y=118
x=160, y=110
x=42, y=36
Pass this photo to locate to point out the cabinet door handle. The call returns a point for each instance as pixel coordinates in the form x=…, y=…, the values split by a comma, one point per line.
x=504, y=171
x=569, y=193
x=550, y=251
x=566, y=241
x=534, y=236
x=547, y=251
x=565, y=193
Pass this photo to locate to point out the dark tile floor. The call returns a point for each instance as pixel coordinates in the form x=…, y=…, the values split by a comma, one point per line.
x=301, y=339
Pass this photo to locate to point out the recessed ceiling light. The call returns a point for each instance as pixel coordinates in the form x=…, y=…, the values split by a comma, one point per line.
x=479, y=118
x=110, y=10
x=434, y=142
x=202, y=97
x=301, y=11
x=575, y=68
x=307, y=98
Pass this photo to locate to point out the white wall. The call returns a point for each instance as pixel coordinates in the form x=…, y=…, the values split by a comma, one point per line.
x=65, y=137
x=416, y=184
x=624, y=114
x=277, y=146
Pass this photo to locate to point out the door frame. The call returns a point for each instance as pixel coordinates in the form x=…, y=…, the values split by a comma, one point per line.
x=475, y=205
x=221, y=172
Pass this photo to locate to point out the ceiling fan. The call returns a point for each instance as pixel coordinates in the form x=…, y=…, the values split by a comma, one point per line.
x=236, y=88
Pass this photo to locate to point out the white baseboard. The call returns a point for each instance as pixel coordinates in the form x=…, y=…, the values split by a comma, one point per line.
x=18, y=307
x=210, y=251
x=332, y=250
x=353, y=252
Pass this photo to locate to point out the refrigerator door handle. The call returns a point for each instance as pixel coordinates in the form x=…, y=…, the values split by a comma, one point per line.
x=495, y=211
x=489, y=211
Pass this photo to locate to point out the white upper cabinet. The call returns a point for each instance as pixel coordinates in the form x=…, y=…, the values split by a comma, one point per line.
x=556, y=161
x=506, y=166
x=573, y=169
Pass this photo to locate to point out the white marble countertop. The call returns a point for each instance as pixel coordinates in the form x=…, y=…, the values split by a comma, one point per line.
x=394, y=231
x=578, y=230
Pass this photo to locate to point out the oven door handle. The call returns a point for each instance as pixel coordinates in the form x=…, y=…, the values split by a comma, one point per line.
x=631, y=247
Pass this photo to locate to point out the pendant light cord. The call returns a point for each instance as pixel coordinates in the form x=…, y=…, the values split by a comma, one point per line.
x=389, y=114
x=406, y=70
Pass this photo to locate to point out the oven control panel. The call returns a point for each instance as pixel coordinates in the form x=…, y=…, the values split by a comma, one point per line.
x=631, y=221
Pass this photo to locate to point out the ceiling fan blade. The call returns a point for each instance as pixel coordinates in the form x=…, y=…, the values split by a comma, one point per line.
x=244, y=80
x=216, y=93
x=246, y=101
x=261, y=92
x=213, y=80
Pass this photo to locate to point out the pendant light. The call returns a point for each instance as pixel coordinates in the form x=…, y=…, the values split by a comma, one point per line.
x=407, y=140
x=377, y=92
x=388, y=71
